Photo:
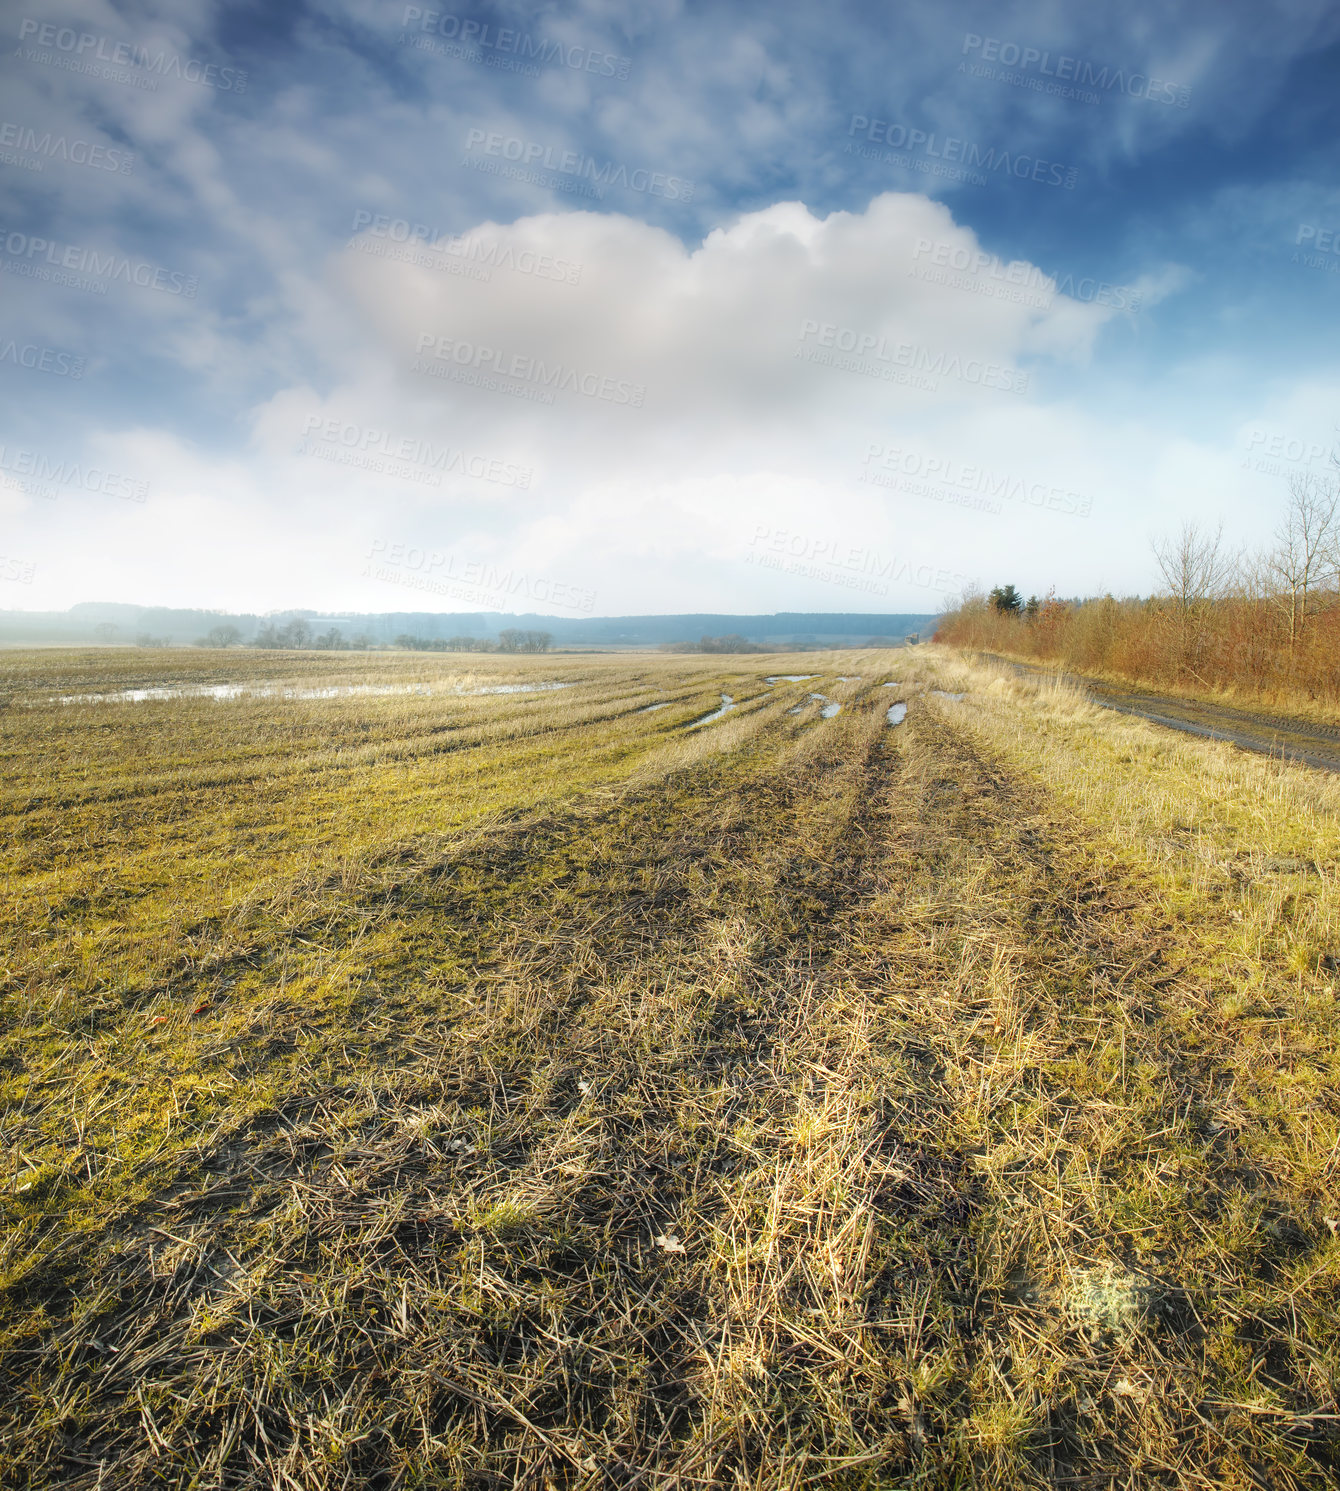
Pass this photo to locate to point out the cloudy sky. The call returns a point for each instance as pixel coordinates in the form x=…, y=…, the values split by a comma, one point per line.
x=734, y=307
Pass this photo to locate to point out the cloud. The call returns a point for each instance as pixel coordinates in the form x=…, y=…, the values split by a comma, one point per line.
x=733, y=428
x=741, y=331
x=696, y=368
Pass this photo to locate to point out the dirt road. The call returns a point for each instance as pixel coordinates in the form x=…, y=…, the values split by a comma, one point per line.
x=1292, y=739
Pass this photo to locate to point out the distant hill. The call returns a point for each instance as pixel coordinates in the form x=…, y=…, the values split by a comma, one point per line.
x=109, y=622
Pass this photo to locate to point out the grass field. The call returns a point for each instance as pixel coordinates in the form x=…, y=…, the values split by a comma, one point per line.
x=407, y=1085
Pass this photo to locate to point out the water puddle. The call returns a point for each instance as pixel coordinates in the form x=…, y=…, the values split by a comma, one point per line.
x=897, y=713
x=830, y=706
x=940, y=694
x=727, y=703
x=222, y=692
x=648, y=708
x=138, y=696
x=512, y=688
x=850, y=678
x=789, y=677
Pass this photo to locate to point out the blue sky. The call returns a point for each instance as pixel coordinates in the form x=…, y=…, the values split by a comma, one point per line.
x=370, y=306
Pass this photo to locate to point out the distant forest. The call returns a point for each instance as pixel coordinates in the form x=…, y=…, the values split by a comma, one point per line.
x=106, y=623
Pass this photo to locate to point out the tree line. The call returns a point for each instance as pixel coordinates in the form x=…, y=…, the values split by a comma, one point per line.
x=1264, y=622
x=510, y=639
x=300, y=634
x=732, y=642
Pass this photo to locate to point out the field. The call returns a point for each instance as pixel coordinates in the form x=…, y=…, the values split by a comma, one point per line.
x=409, y=1085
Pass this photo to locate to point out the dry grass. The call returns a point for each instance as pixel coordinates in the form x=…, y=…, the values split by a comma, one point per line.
x=445, y=1090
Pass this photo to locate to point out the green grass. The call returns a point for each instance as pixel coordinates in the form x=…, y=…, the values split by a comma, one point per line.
x=437, y=1089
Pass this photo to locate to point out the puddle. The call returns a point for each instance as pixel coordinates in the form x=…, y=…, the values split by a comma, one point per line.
x=225, y=691
x=940, y=694
x=221, y=692
x=647, y=708
x=850, y=678
x=789, y=677
x=897, y=712
x=830, y=706
x=726, y=703
x=511, y=688
x=138, y=696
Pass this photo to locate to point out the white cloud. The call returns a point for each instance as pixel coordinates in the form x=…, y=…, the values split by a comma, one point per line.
x=655, y=507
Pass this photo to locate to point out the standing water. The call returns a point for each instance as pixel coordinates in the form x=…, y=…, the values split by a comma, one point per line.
x=726, y=703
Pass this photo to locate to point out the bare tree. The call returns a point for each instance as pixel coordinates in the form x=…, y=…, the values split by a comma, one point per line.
x=517, y=639
x=1197, y=571
x=223, y=635
x=1195, y=566
x=1306, y=556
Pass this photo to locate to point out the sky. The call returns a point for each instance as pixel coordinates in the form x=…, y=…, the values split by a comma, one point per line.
x=609, y=308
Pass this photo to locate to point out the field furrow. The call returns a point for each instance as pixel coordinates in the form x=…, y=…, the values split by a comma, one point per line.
x=805, y=1101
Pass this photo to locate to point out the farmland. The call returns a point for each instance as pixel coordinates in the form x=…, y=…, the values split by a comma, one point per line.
x=418, y=1074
